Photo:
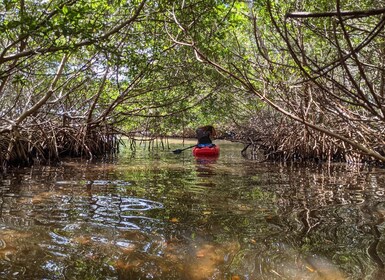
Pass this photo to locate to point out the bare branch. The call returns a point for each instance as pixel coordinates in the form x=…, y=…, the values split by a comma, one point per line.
x=47, y=96
x=354, y=14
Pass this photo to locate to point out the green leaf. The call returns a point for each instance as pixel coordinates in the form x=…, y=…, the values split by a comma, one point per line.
x=65, y=10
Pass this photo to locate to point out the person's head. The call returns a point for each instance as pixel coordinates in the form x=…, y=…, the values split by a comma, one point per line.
x=210, y=129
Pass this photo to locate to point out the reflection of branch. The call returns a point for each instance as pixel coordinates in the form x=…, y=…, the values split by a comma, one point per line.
x=306, y=220
x=372, y=249
x=373, y=218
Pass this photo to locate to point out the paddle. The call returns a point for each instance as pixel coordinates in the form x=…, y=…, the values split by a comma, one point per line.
x=178, y=151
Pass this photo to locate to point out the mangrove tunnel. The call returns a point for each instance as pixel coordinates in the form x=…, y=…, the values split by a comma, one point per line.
x=293, y=81
x=99, y=106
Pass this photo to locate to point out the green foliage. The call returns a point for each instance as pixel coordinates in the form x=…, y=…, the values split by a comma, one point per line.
x=138, y=66
x=150, y=80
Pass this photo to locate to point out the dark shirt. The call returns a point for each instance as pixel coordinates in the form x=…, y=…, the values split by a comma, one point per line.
x=204, y=140
x=203, y=136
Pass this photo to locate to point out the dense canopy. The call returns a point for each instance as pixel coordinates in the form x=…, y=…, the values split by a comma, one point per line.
x=294, y=80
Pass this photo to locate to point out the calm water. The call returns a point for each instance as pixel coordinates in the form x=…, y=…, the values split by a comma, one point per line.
x=159, y=215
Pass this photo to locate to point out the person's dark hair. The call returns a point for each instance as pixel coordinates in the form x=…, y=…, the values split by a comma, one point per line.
x=204, y=134
x=209, y=128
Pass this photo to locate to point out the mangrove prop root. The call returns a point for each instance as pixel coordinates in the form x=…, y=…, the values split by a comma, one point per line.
x=24, y=147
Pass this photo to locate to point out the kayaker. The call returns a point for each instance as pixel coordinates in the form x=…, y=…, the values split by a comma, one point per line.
x=204, y=135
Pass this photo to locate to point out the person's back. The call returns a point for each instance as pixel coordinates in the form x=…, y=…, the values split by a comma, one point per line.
x=204, y=134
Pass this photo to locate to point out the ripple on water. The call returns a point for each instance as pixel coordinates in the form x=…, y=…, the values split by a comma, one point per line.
x=108, y=182
x=123, y=212
x=133, y=204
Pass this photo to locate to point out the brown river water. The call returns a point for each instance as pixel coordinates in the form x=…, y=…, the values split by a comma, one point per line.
x=158, y=215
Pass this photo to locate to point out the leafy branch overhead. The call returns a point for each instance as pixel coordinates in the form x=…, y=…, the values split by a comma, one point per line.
x=76, y=74
x=319, y=71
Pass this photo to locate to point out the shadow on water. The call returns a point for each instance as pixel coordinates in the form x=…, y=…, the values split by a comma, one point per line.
x=164, y=216
x=205, y=166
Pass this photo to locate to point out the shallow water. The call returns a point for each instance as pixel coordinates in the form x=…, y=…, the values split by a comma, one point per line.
x=157, y=215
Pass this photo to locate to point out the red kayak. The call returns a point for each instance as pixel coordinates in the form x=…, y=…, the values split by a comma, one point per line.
x=206, y=151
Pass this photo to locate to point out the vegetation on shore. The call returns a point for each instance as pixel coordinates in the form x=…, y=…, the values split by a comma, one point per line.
x=294, y=80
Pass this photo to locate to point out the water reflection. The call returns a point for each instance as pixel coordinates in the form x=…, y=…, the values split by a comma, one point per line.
x=169, y=217
x=205, y=166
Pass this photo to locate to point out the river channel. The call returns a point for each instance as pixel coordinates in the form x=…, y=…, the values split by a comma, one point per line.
x=158, y=215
